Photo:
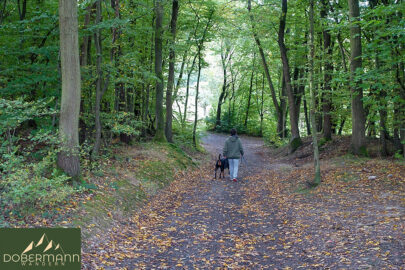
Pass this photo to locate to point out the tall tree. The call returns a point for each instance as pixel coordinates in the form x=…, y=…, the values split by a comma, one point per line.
x=250, y=91
x=160, y=126
x=190, y=72
x=358, y=141
x=226, y=54
x=196, y=97
x=170, y=80
x=295, y=141
x=278, y=108
x=317, y=179
x=328, y=69
x=200, y=46
x=68, y=157
x=100, y=87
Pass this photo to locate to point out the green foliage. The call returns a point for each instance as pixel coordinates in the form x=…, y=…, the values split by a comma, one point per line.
x=15, y=112
x=398, y=155
x=183, y=136
x=35, y=185
x=121, y=123
x=29, y=179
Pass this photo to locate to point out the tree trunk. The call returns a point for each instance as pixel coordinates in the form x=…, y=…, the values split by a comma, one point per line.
x=199, y=50
x=342, y=54
x=180, y=78
x=307, y=123
x=342, y=124
x=298, y=89
x=260, y=104
x=170, y=80
x=100, y=89
x=262, y=109
x=68, y=157
x=358, y=141
x=295, y=133
x=250, y=92
x=160, y=133
x=84, y=57
x=86, y=38
x=97, y=42
x=224, y=59
x=328, y=69
x=196, y=99
x=282, y=122
x=317, y=178
x=232, y=96
x=399, y=110
x=266, y=69
x=188, y=89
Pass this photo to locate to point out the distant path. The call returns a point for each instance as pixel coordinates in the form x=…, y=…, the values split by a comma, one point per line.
x=257, y=155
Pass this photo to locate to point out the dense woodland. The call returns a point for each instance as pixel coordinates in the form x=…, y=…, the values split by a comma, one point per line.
x=76, y=76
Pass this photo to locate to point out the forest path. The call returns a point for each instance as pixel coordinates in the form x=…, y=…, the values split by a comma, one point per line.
x=203, y=226
x=200, y=223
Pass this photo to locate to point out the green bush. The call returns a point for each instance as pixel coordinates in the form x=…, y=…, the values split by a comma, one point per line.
x=34, y=185
x=15, y=112
x=183, y=135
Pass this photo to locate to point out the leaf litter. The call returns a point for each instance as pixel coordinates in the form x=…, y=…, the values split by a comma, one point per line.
x=268, y=220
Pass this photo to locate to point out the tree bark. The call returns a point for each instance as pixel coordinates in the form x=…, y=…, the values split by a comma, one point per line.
x=328, y=69
x=188, y=89
x=180, y=78
x=170, y=80
x=250, y=92
x=196, y=98
x=224, y=60
x=399, y=110
x=295, y=133
x=317, y=178
x=282, y=122
x=22, y=11
x=160, y=133
x=100, y=88
x=307, y=122
x=68, y=157
x=358, y=141
x=84, y=54
x=260, y=105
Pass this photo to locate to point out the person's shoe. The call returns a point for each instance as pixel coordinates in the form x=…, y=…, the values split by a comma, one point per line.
x=235, y=180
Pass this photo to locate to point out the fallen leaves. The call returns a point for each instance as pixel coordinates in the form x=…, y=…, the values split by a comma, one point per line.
x=267, y=221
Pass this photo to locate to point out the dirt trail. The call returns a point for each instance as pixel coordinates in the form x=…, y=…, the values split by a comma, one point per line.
x=200, y=223
x=210, y=222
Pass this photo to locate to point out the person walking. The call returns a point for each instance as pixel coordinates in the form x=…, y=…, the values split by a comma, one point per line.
x=233, y=150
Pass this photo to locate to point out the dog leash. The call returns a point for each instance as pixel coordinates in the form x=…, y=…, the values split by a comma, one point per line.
x=244, y=160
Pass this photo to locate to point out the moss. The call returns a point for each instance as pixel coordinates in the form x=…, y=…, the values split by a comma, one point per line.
x=294, y=144
x=160, y=136
x=363, y=151
x=323, y=141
